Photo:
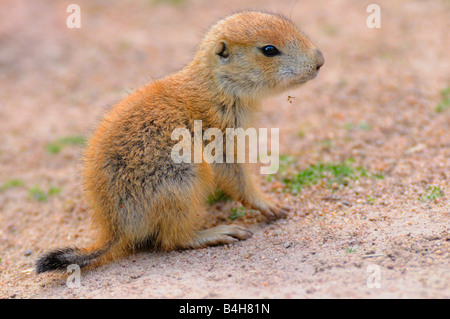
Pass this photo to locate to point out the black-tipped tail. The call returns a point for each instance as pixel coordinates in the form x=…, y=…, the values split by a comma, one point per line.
x=60, y=259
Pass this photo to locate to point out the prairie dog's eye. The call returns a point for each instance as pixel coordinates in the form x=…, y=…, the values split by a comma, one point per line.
x=269, y=50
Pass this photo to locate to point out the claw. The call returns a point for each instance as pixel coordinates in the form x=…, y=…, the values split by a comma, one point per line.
x=272, y=211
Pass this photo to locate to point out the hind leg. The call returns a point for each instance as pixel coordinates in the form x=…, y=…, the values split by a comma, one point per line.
x=178, y=212
x=180, y=230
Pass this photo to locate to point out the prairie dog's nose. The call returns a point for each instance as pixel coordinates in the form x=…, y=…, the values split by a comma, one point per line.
x=319, y=59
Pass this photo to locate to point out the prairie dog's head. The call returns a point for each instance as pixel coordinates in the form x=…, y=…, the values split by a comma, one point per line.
x=256, y=54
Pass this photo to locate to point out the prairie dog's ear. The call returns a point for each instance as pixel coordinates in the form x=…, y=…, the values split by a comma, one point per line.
x=221, y=49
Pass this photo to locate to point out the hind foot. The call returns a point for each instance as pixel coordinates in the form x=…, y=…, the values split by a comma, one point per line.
x=224, y=234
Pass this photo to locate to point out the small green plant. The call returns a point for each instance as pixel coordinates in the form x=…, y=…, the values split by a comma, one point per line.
x=445, y=103
x=38, y=194
x=286, y=162
x=218, y=196
x=15, y=182
x=378, y=175
x=54, y=191
x=432, y=193
x=340, y=173
x=236, y=213
x=56, y=146
x=351, y=250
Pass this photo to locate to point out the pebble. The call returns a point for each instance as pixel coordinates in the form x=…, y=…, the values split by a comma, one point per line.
x=290, y=244
x=27, y=252
x=346, y=203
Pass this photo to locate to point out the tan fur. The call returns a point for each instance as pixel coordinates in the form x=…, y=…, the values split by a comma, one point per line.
x=137, y=194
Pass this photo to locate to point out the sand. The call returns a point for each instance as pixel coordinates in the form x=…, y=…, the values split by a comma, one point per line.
x=381, y=234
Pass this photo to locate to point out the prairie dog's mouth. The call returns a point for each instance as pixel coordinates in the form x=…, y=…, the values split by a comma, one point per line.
x=297, y=78
x=308, y=77
x=305, y=77
x=303, y=80
x=295, y=84
x=299, y=82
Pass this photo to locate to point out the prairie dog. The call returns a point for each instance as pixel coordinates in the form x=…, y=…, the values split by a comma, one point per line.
x=137, y=195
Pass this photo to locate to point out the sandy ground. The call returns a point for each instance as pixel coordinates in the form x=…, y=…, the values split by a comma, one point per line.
x=374, y=101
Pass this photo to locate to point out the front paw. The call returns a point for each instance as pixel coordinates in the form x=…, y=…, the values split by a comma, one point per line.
x=270, y=210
